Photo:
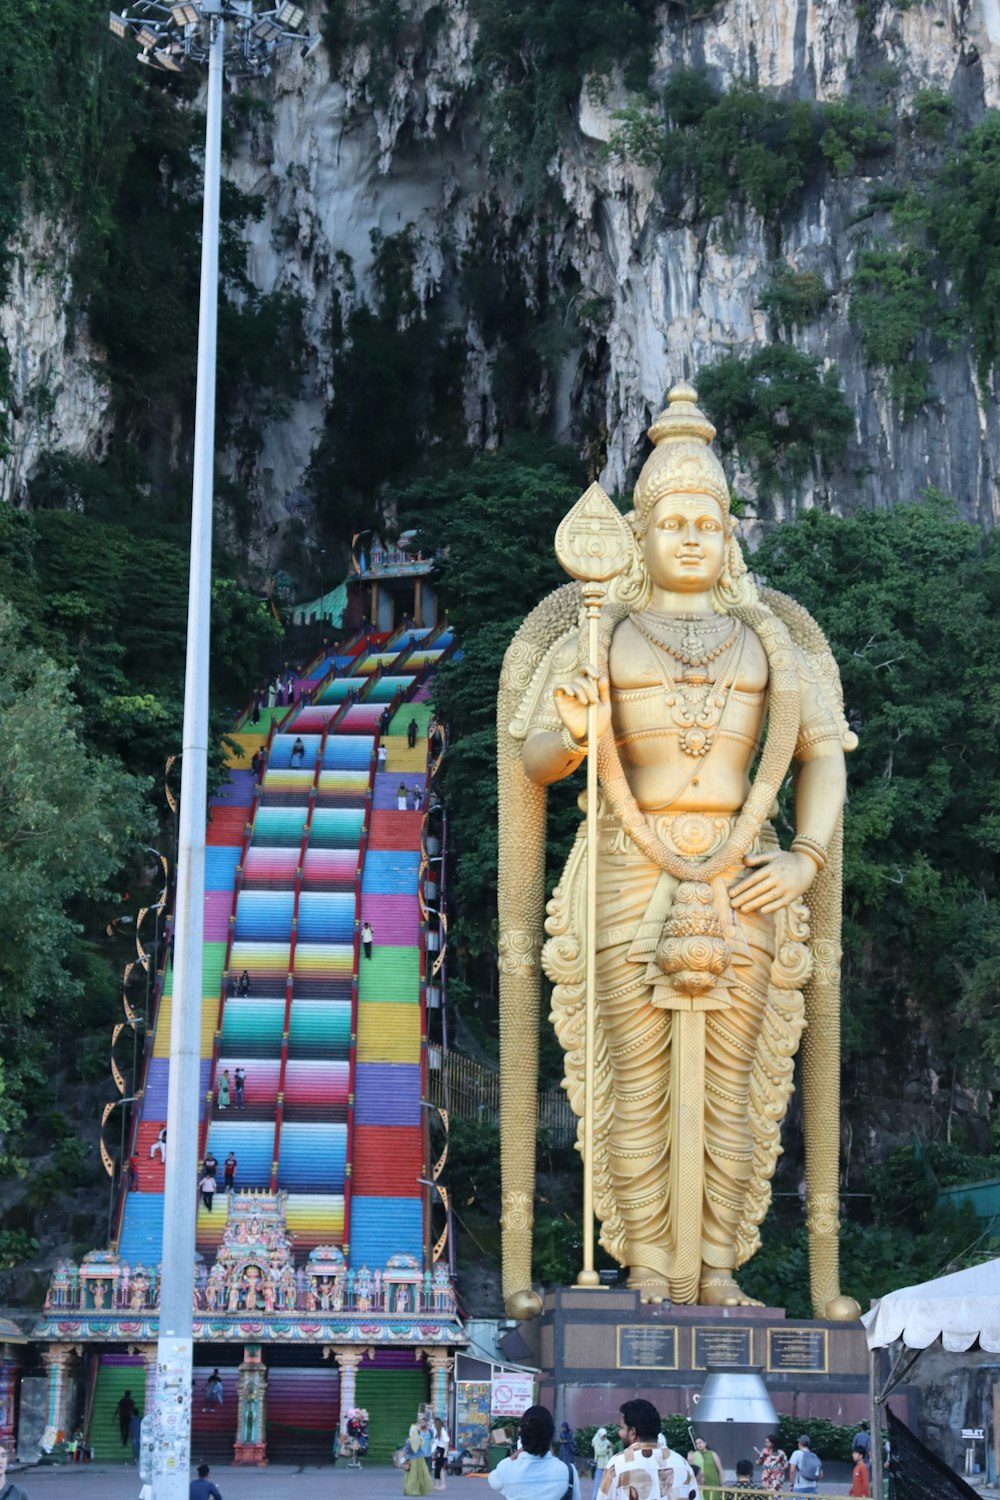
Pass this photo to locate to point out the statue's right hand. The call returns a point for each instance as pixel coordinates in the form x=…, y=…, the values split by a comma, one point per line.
x=573, y=700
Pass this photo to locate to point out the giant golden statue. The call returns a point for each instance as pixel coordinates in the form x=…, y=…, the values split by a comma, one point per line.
x=706, y=962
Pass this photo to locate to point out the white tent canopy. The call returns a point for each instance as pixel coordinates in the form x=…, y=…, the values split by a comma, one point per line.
x=960, y=1310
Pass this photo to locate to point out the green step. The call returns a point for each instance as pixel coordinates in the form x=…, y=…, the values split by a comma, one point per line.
x=422, y=712
x=390, y=974
x=112, y=1383
x=391, y=1399
x=315, y=1023
x=250, y=1020
x=213, y=957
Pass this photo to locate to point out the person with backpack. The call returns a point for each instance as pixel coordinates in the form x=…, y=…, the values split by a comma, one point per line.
x=532, y=1472
x=805, y=1468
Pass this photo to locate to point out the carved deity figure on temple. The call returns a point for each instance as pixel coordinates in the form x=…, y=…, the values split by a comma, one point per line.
x=708, y=961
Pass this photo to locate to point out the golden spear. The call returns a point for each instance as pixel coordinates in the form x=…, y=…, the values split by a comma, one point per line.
x=593, y=544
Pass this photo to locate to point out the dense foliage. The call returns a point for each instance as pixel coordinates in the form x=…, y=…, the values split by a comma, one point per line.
x=782, y=412
x=92, y=634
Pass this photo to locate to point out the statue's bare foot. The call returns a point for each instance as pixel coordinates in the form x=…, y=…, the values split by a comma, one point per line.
x=719, y=1289
x=651, y=1287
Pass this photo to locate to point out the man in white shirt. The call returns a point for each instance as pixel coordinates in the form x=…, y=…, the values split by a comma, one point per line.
x=653, y=1471
x=533, y=1472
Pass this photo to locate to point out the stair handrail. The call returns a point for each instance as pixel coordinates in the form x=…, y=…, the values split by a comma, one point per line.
x=238, y=874
x=293, y=944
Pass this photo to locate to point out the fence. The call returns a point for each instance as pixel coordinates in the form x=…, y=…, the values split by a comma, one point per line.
x=473, y=1093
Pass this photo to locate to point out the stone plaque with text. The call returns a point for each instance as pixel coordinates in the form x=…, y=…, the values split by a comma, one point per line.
x=721, y=1346
x=801, y=1350
x=646, y=1348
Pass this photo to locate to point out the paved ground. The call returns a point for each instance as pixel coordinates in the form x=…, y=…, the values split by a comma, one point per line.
x=277, y=1482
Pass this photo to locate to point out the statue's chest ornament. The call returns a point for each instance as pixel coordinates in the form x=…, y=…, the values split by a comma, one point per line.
x=696, y=695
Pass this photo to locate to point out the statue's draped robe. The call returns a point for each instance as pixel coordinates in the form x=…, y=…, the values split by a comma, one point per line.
x=687, y=1120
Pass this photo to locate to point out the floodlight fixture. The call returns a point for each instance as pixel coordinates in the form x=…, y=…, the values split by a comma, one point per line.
x=266, y=30
x=147, y=38
x=166, y=60
x=290, y=16
x=185, y=13
x=118, y=25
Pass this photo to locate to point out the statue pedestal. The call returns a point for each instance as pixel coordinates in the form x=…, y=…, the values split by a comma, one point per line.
x=250, y=1453
x=596, y=1349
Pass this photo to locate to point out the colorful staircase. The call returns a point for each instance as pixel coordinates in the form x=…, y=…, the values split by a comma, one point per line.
x=332, y=1044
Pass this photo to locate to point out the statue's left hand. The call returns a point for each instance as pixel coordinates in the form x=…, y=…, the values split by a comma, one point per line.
x=776, y=879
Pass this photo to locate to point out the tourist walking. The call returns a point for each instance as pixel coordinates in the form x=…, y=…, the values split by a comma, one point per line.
x=159, y=1147
x=243, y=988
x=603, y=1451
x=133, y=1174
x=135, y=1434
x=567, y=1444
x=401, y=797
x=207, y=1187
x=213, y=1389
x=125, y=1411
x=805, y=1468
x=298, y=752
x=860, y=1479
x=411, y=733
x=440, y=1443
x=239, y=1084
x=416, y=1475
x=381, y=756
x=210, y=1166
x=224, y=1089
x=532, y=1472
x=229, y=1173
x=366, y=939
x=774, y=1463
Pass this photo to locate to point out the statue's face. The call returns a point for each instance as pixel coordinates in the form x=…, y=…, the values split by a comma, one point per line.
x=685, y=543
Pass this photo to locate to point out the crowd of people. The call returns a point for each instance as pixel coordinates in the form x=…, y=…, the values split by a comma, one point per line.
x=639, y=1444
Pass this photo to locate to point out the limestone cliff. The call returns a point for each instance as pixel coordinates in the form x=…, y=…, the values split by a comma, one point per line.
x=644, y=297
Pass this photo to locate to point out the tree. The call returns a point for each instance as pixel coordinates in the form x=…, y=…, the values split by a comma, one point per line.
x=68, y=820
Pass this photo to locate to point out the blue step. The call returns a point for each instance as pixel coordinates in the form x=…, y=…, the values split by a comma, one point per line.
x=326, y=917
x=381, y=1227
x=142, y=1231
x=252, y=1142
x=391, y=871
x=311, y=1157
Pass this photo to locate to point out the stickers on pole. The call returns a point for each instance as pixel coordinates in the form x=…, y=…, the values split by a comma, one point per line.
x=172, y=1448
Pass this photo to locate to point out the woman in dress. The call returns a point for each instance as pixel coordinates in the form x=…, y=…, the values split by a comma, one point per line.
x=774, y=1463
x=417, y=1476
x=224, y=1090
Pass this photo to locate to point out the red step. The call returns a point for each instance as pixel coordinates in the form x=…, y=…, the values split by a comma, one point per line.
x=394, y=830
x=227, y=825
x=388, y=1159
x=150, y=1172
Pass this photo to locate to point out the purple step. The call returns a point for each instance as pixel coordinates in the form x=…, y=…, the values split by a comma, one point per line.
x=387, y=783
x=395, y=919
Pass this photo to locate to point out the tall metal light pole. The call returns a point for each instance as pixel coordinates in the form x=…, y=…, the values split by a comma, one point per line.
x=215, y=32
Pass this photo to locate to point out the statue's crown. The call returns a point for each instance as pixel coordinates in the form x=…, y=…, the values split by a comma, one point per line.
x=682, y=459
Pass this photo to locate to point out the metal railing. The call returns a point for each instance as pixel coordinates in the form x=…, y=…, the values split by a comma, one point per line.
x=473, y=1093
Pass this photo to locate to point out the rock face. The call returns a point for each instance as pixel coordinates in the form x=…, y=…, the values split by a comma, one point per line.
x=345, y=155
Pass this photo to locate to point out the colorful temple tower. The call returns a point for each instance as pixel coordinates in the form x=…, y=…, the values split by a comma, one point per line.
x=317, y=1283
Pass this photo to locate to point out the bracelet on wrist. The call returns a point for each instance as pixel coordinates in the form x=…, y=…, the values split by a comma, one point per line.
x=801, y=844
x=570, y=745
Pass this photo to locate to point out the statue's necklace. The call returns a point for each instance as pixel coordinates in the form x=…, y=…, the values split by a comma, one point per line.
x=694, y=652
